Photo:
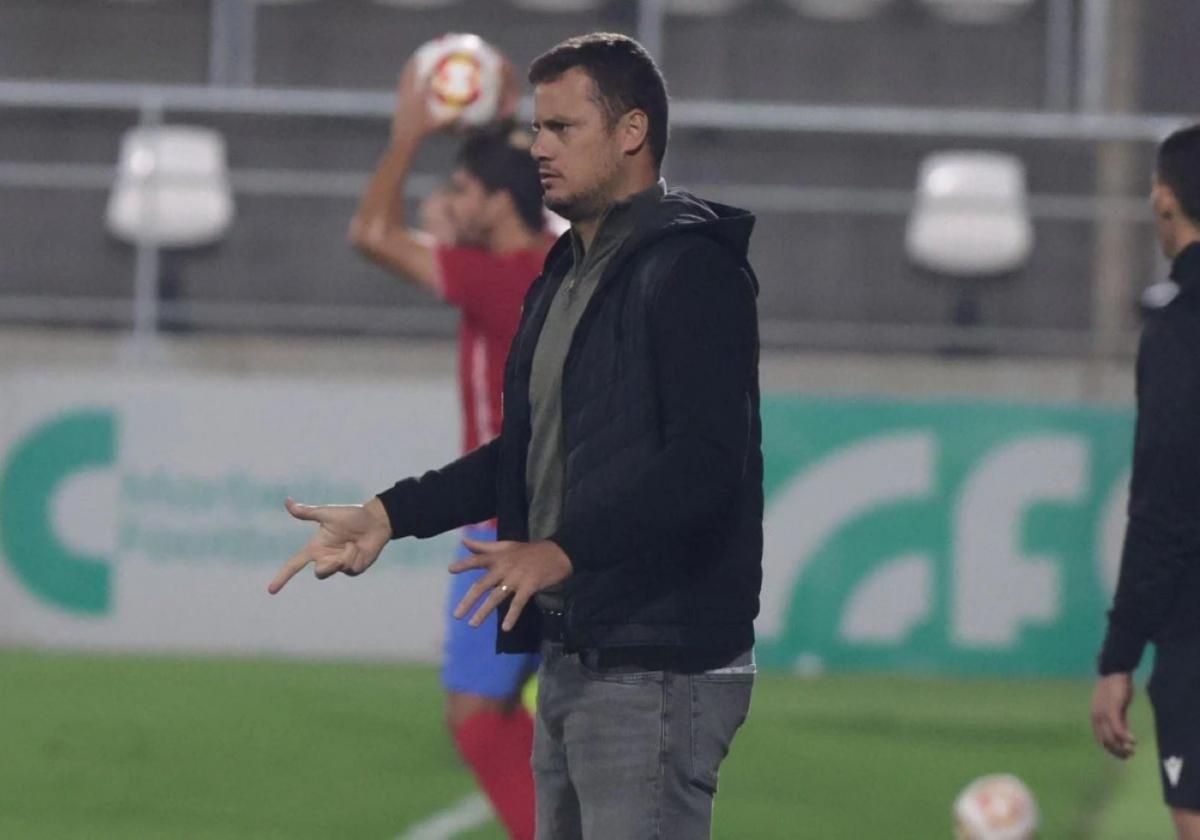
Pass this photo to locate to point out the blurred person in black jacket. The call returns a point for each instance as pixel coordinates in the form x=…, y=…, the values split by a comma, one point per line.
x=1158, y=591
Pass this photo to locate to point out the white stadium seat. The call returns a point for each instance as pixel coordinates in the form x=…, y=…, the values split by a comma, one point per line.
x=172, y=187
x=977, y=11
x=700, y=8
x=844, y=10
x=970, y=218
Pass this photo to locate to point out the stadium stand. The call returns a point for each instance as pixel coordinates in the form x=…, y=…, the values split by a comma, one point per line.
x=833, y=204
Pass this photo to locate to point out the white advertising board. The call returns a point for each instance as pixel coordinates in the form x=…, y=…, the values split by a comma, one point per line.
x=146, y=513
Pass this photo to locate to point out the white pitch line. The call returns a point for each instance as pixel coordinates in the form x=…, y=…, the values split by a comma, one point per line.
x=468, y=813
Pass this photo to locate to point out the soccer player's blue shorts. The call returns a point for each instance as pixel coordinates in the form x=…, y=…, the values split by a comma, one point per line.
x=470, y=664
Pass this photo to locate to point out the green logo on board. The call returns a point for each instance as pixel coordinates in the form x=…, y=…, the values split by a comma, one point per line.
x=37, y=467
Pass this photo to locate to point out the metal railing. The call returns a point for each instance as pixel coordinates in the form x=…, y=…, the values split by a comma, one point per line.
x=149, y=104
x=150, y=100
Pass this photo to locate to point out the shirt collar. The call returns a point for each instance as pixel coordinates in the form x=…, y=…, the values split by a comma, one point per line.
x=619, y=219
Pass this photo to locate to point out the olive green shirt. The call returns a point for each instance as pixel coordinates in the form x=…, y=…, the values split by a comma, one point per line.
x=545, y=469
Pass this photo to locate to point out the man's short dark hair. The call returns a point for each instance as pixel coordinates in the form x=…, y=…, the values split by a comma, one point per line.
x=624, y=74
x=499, y=157
x=1179, y=168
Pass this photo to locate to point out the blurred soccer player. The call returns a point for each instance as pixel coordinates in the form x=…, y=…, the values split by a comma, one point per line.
x=1158, y=593
x=492, y=211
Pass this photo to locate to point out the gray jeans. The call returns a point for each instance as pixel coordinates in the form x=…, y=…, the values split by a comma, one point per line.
x=627, y=755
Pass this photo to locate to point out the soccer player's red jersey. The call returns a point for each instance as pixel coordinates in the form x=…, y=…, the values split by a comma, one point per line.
x=488, y=289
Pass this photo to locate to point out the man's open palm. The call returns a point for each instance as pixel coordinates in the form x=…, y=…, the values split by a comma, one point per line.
x=349, y=539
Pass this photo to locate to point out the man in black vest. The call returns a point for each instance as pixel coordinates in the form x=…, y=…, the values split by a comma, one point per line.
x=1158, y=592
x=627, y=479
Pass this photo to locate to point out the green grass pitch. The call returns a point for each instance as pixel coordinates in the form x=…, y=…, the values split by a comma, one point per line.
x=155, y=747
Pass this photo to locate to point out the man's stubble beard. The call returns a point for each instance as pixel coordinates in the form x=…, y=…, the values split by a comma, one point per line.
x=589, y=204
x=579, y=207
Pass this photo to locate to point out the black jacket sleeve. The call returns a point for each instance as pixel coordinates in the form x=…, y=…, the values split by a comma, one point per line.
x=1163, y=535
x=704, y=339
x=461, y=493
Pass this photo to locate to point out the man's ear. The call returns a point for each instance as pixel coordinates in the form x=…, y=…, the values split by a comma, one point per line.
x=634, y=129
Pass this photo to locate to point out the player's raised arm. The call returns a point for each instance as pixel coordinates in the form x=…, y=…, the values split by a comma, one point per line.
x=379, y=229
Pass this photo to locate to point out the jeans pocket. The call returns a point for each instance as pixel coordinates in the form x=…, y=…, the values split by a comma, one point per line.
x=720, y=704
